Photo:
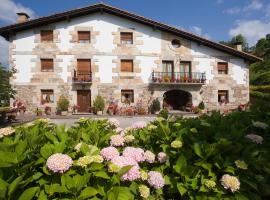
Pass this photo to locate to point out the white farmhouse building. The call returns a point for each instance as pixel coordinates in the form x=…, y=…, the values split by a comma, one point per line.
x=103, y=50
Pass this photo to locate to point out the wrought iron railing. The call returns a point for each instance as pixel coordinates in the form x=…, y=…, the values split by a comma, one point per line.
x=82, y=77
x=178, y=77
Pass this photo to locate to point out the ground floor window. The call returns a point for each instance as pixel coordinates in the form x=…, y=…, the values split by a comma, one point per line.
x=47, y=96
x=223, y=96
x=127, y=96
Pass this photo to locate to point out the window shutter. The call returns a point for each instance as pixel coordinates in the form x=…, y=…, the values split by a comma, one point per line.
x=46, y=64
x=46, y=35
x=84, y=35
x=84, y=65
x=127, y=38
x=126, y=65
x=223, y=66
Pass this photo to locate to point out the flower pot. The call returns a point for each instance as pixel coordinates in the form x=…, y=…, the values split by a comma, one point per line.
x=99, y=112
x=64, y=113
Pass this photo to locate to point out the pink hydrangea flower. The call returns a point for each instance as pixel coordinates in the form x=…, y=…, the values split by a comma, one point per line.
x=114, y=122
x=133, y=173
x=139, y=125
x=109, y=153
x=162, y=157
x=155, y=179
x=59, y=163
x=149, y=156
x=117, y=140
x=120, y=131
x=135, y=153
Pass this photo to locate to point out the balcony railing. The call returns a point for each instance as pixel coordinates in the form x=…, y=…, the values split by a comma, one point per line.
x=82, y=77
x=179, y=77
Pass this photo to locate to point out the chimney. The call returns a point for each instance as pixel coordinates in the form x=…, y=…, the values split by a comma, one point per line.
x=22, y=17
x=238, y=46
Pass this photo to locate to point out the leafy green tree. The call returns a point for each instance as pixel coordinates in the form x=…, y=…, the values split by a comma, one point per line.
x=6, y=90
x=237, y=39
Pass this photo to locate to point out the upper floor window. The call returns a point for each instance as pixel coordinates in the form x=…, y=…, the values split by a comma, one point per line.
x=127, y=96
x=126, y=38
x=46, y=35
x=84, y=36
x=222, y=68
x=47, y=96
x=223, y=96
x=46, y=65
x=126, y=65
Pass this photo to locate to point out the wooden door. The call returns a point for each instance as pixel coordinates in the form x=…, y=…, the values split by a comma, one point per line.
x=83, y=100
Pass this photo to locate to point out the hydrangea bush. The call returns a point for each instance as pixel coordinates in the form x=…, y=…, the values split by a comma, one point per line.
x=210, y=157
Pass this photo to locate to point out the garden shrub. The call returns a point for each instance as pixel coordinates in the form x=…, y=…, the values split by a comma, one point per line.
x=201, y=106
x=210, y=157
x=63, y=103
x=164, y=113
x=155, y=106
x=99, y=103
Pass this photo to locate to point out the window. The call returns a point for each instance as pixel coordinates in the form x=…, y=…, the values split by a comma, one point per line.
x=175, y=43
x=47, y=96
x=46, y=35
x=126, y=38
x=222, y=68
x=127, y=96
x=223, y=96
x=84, y=65
x=84, y=36
x=126, y=65
x=46, y=65
x=185, y=69
x=167, y=68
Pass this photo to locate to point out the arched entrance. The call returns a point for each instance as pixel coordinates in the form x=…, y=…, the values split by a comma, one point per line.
x=176, y=99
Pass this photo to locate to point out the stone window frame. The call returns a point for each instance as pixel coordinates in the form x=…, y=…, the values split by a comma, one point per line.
x=221, y=93
x=47, y=92
x=127, y=92
x=74, y=35
x=56, y=34
x=48, y=70
x=225, y=72
x=126, y=60
x=42, y=39
x=136, y=38
x=126, y=42
x=83, y=40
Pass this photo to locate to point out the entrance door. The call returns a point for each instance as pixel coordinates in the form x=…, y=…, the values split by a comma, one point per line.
x=83, y=100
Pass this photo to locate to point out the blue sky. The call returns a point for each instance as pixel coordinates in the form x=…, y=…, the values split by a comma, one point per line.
x=214, y=19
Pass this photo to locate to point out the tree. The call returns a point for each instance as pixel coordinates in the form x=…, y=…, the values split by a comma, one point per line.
x=6, y=90
x=238, y=39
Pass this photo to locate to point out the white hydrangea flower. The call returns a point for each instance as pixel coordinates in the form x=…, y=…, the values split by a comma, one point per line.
x=230, y=182
x=6, y=131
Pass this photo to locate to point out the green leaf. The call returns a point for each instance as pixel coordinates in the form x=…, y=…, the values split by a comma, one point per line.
x=46, y=151
x=193, y=130
x=197, y=149
x=3, y=188
x=12, y=187
x=102, y=174
x=20, y=148
x=55, y=188
x=124, y=170
x=88, y=192
x=120, y=193
x=8, y=157
x=180, y=164
x=29, y=193
x=42, y=196
x=51, y=137
x=182, y=190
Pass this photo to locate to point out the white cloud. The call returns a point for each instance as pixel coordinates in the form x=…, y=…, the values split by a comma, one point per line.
x=254, y=5
x=252, y=30
x=8, y=10
x=198, y=31
x=4, y=51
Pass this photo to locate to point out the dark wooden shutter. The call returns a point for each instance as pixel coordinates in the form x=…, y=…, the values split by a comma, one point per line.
x=83, y=35
x=46, y=64
x=222, y=66
x=46, y=35
x=84, y=65
x=127, y=38
x=126, y=65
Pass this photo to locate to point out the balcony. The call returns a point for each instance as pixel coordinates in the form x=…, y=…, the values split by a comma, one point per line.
x=82, y=77
x=192, y=78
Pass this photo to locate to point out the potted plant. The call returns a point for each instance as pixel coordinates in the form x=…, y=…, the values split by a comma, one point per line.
x=38, y=112
x=63, y=104
x=99, y=105
x=155, y=106
x=47, y=110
